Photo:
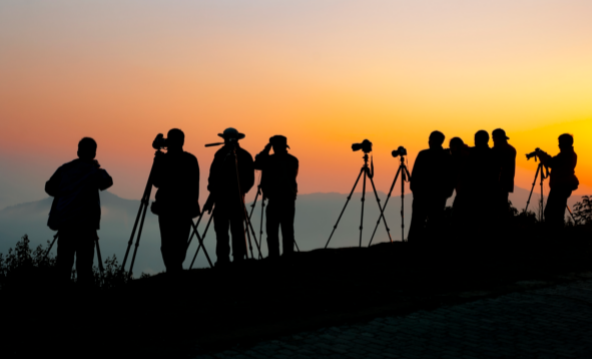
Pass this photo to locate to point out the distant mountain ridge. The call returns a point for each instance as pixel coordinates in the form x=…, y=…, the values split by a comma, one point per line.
x=316, y=215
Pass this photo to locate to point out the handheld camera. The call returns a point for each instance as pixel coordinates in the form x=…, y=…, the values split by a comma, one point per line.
x=159, y=142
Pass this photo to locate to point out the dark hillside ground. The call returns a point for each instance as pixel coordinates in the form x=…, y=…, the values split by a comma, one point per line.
x=207, y=309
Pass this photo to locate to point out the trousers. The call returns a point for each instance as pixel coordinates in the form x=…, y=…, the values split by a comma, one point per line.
x=174, y=233
x=556, y=204
x=427, y=211
x=280, y=213
x=79, y=243
x=229, y=213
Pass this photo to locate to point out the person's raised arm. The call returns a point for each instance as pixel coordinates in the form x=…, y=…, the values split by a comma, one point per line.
x=262, y=157
x=105, y=181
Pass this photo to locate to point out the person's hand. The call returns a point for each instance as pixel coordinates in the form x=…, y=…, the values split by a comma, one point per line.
x=96, y=163
x=267, y=147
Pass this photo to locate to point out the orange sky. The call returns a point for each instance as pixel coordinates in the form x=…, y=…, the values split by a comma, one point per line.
x=323, y=73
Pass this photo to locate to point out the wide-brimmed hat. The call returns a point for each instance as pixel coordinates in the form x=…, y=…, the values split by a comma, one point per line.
x=279, y=140
x=499, y=133
x=231, y=133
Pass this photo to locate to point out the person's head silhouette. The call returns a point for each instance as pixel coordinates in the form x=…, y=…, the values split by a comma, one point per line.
x=482, y=139
x=566, y=142
x=279, y=143
x=456, y=144
x=231, y=135
x=87, y=149
x=436, y=140
x=499, y=137
x=175, y=140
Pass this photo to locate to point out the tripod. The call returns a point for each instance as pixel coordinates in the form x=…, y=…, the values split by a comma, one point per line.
x=142, y=214
x=543, y=171
x=405, y=177
x=99, y=258
x=367, y=174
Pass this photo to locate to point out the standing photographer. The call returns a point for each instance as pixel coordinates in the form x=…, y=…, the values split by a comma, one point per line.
x=563, y=179
x=505, y=157
x=76, y=210
x=231, y=176
x=278, y=183
x=176, y=175
x=432, y=183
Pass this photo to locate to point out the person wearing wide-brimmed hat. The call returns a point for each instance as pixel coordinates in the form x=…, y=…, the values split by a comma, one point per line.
x=278, y=183
x=227, y=190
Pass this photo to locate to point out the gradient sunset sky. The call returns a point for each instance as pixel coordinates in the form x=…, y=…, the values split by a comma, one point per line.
x=324, y=73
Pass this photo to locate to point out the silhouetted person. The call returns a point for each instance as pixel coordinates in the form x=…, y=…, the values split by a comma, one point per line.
x=483, y=174
x=431, y=184
x=562, y=181
x=459, y=152
x=76, y=210
x=227, y=190
x=278, y=183
x=505, y=155
x=176, y=175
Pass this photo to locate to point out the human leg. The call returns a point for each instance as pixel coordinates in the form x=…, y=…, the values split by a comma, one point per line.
x=85, y=254
x=287, y=223
x=272, y=226
x=221, y=224
x=239, y=245
x=418, y=218
x=65, y=253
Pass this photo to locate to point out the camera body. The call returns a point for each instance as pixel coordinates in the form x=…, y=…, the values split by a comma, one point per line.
x=365, y=146
x=534, y=154
x=159, y=142
x=401, y=151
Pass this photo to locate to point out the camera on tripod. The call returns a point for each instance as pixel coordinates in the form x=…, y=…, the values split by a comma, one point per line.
x=401, y=151
x=365, y=146
x=159, y=142
x=534, y=154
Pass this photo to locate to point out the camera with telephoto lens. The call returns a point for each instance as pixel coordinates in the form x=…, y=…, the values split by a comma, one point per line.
x=159, y=142
x=401, y=151
x=534, y=153
x=365, y=146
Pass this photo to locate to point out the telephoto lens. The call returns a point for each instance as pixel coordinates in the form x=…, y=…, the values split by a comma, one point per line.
x=365, y=146
x=533, y=153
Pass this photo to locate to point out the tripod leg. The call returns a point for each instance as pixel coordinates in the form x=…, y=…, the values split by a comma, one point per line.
x=384, y=207
x=542, y=194
x=404, y=177
x=363, y=200
x=388, y=231
x=255, y=201
x=200, y=240
x=194, y=232
x=532, y=188
x=99, y=258
x=343, y=210
x=261, y=222
x=201, y=243
x=55, y=238
x=139, y=233
x=144, y=202
x=250, y=227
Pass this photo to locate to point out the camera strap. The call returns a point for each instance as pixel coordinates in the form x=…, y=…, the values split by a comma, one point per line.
x=371, y=172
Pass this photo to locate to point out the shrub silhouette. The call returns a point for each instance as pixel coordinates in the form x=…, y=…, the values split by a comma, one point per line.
x=23, y=265
x=582, y=211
